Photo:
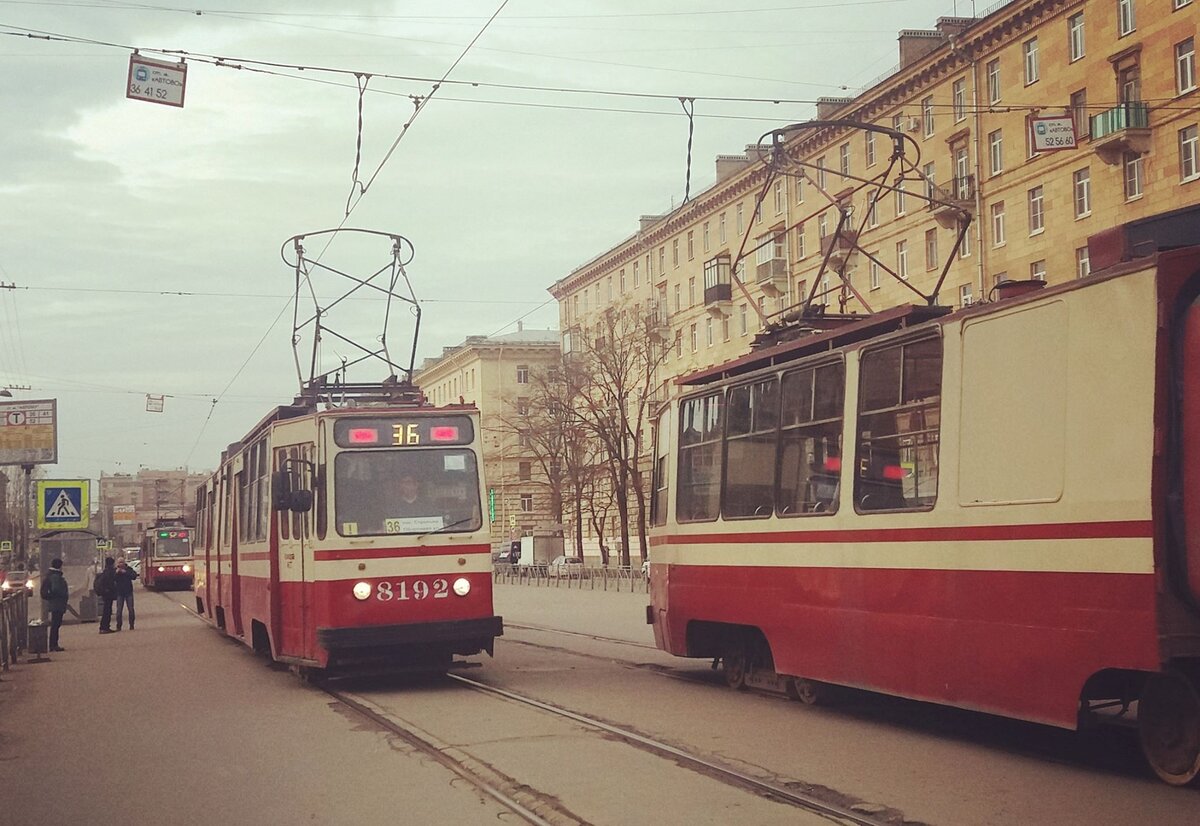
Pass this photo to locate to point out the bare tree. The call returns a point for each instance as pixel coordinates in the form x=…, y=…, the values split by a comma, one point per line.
x=620, y=358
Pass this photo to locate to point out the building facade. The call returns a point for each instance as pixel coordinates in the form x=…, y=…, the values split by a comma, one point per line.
x=493, y=373
x=966, y=96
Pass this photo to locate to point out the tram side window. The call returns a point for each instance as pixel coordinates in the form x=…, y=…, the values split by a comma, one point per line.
x=700, y=426
x=810, y=449
x=899, y=418
x=662, y=439
x=751, y=432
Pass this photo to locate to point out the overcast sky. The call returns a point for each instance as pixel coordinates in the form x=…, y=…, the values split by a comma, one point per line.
x=144, y=240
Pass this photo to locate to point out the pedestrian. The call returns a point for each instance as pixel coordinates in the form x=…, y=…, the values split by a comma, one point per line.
x=123, y=579
x=105, y=587
x=55, y=594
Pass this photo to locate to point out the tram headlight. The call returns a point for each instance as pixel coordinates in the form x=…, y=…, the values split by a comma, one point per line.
x=187, y=569
x=362, y=590
x=462, y=586
x=162, y=569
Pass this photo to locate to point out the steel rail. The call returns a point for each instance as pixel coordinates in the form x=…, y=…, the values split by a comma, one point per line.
x=722, y=772
x=583, y=634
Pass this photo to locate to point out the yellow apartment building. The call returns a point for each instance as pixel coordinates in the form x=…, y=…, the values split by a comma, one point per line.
x=967, y=95
x=493, y=373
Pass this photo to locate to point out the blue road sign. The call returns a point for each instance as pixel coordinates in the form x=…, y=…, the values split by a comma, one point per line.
x=62, y=504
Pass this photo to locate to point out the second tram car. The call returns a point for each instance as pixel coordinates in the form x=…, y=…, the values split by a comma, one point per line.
x=166, y=558
x=996, y=508
x=351, y=539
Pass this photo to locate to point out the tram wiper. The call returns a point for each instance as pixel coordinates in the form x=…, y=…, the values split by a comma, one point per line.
x=445, y=528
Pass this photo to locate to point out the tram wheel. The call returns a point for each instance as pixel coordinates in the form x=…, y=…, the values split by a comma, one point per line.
x=735, y=662
x=1169, y=727
x=809, y=692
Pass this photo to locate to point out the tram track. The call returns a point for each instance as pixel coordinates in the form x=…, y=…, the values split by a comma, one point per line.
x=542, y=806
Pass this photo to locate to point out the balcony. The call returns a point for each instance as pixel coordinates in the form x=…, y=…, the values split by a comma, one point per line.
x=952, y=199
x=1123, y=129
x=838, y=247
x=771, y=275
x=718, y=290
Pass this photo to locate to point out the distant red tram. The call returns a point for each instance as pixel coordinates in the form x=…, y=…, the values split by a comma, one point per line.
x=996, y=508
x=166, y=558
x=350, y=539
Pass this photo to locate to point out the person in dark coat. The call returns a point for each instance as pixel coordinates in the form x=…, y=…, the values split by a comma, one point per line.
x=105, y=587
x=123, y=578
x=55, y=593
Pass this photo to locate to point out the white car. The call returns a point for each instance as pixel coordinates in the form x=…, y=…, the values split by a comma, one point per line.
x=15, y=580
x=565, y=566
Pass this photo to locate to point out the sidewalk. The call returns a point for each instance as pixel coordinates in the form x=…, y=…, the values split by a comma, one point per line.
x=173, y=723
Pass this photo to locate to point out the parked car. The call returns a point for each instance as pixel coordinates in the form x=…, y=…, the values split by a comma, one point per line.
x=565, y=566
x=14, y=580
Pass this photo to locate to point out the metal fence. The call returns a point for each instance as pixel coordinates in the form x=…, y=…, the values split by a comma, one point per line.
x=585, y=578
x=14, y=619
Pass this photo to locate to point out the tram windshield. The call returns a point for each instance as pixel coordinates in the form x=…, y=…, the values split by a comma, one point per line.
x=174, y=545
x=406, y=492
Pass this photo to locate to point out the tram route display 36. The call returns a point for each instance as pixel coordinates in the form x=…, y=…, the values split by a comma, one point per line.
x=996, y=508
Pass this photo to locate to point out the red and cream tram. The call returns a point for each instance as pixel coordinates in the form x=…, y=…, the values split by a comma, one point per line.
x=350, y=539
x=996, y=508
x=166, y=558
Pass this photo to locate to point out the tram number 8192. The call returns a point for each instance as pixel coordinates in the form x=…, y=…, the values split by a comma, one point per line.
x=420, y=589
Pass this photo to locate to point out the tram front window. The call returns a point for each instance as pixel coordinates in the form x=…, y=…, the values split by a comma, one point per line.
x=406, y=492
x=173, y=547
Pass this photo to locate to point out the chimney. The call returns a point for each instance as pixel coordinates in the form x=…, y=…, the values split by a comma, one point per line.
x=758, y=151
x=647, y=221
x=520, y=325
x=728, y=165
x=915, y=44
x=826, y=106
x=951, y=26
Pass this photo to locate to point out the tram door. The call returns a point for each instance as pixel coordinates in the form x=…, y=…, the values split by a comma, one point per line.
x=1188, y=364
x=292, y=571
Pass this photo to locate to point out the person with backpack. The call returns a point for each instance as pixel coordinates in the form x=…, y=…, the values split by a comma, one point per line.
x=105, y=587
x=55, y=594
x=123, y=579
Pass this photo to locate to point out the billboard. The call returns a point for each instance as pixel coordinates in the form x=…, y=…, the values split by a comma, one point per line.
x=124, y=514
x=29, y=432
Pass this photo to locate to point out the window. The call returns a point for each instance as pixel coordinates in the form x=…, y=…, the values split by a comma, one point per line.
x=1083, y=263
x=678, y=290
x=1079, y=114
x=997, y=223
x=1125, y=17
x=701, y=421
x=660, y=481
x=1132, y=163
x=822, y=225
x=694, y=339
x=899, y=192
x=929, y=173
x=708, y=332
x=692, y=291
x=800, y=189
x=1037, y=270
x=679, y=344
x=1082, y=184
x=964, y=249
x=958, y=96
x=1185, y=66
x=522, y=374
x=902, y=259
x=522, y=406
x=800, y=251
x=1075, y=48
x=872, y=211
x=743, y=327
x=637, y=278
x=526, y=503
x=996, y=151
x=927, y=115
x=993, y=80
x=751, y=425
x=821, y=172
x=609, y=286
x=1031, y=61
x=844, y=160
x=875, y=270
x=1189, y=164
x=899, y=418
x=810, y=440
x=721, y=236
x=524, y=471
x=741, y=222
x=780, y=196
x=662, y=260
x=965, y=296
x=691, y=244
x=1037, y=216
x=869, y=137
x=675, y=252
x=1179, y=4
x=622, y=281
x=725, y=328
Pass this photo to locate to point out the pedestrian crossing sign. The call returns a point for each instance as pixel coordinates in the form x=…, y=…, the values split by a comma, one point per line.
x=62, y=504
